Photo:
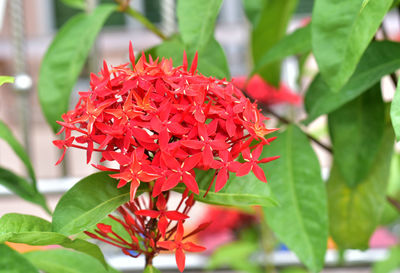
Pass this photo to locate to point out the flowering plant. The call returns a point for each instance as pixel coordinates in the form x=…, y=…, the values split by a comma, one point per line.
x=160, y=123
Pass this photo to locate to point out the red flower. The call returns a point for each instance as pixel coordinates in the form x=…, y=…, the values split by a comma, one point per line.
x=179, y=247
x=261, y=91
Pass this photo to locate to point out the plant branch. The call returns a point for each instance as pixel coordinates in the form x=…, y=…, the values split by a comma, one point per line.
x=142, y=19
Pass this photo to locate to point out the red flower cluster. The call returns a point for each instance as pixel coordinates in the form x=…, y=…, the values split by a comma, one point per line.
x=160, y=123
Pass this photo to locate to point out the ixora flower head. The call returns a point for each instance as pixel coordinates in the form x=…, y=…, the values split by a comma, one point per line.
x=159, y=123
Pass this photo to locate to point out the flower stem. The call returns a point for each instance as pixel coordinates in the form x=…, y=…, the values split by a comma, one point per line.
x=142, y=19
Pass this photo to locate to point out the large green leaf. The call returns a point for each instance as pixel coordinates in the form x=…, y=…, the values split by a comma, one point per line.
x=301, y=220
x=252, y=9
x=389, y=264
x=63, y=260
x=88, y=202
x=297, y=42
x=22, y=188
x=6, y=79
x=380, y=59
x=64, y=60
x=78, y=4
x=13, y=262
x=238, y=191
x=341, y=31
x=32, y=230
x=8, y=136
x=356, y=131
x=270, y=28
x=355, y=212
x=196, y=21
x=212, y=60
x=395, y=112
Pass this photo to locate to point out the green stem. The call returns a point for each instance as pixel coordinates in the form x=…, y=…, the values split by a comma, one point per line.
x=142, y=19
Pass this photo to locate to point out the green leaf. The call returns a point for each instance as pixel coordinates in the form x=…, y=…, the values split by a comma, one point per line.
x=356, y=131
x=395, y=112
x=238, y=191
x=341, y=31
x=78, y=4
x=88, y=202
x=64, y=60
x=196, y=20
x=252, y=8
x=380, y=59
x=297, y=42
x=151, y=269
x=6, y=79
x=236, y=255
x=390, y=264
x=62, y=260
x=270, y=28
x=8, y=136
x=22, y=188
x=212, y=60
x=32, y=230
x=301, y=220
x=355, y=212
x=13, y=262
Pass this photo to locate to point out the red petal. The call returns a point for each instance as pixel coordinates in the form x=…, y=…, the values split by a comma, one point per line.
x=175, y=215
x=191, y=183
x=259, y=173
x=193, y=144
x=191, y=162
x=185, y=61
x=244, y=169
x=170, y=161
x=179, y=232
x=171, y=182
x=131, y=55
x=194, y=64
x=134, y=186
x=221, y=179
x=167, y=245
x=219, y=145
x=257, y=151
x=268, y=159
x=147, y=212
x=180, y=258
x=161, y=202
x=230, y=127
x=163, y=225
x=191, y=247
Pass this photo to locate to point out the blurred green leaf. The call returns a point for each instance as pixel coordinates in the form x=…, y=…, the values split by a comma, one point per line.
x=252, y=9
x=22, y=188
x=238, y=191
x=13, y=262
x=394, y=179
x=32, y=230
x=196, y=21
x=355, y=212
x=389, y=264
x=88, y=202
x=300, y=221
x=270, y=28
x=6, y=79
x=380, y=59
x=297, y=42
x=341, y=31
x=395, y=112
x=293, y=270
x=151, y=269
x=356, y=131
x=64, y=60
x=235, y=255
x=8, y=136
x=78, y=4
x=63, y=260
x=211, y=62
